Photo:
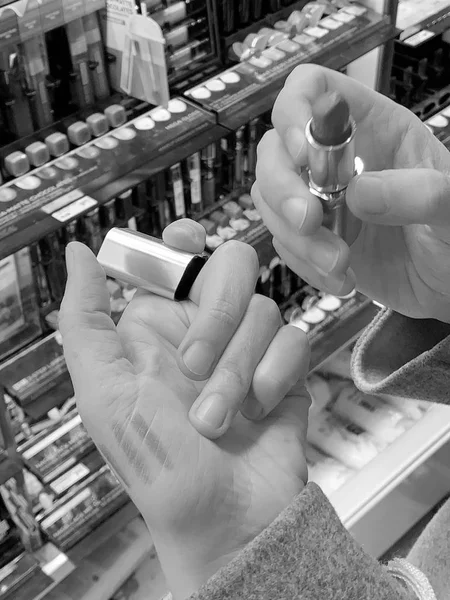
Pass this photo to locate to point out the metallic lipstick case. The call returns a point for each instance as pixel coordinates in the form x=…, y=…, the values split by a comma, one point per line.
x=330, y=170
x=147, y=263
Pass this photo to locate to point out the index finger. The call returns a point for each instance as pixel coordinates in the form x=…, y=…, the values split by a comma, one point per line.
x=293, y=107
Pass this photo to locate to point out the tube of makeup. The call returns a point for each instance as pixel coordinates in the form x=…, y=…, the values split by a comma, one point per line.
x=79, y=53
x=208, y=160
x=96, y=56
x=14, y=102
x=239, y=157
x=195, y=177
x=341, y=439
x=37, y=71
x=332, y=163
x=178, y=191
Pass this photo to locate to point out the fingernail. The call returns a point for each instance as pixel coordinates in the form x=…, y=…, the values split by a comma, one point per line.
x=212, y=411
x=295, y=211
x=325, y=258
x=335, y=282
x=70, y=259
x=295, y=142
x=370, y=195
x=252, y=409
x=199, y=358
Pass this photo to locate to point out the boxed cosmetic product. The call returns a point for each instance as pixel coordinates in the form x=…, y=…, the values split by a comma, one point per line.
x=15, y=573
x=83, y=509
x=19, y=313
x=239, y=92
x=45, y=453
x=137, y=49
x=38, y=372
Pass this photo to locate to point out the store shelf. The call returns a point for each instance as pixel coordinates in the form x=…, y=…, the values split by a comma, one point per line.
x=394, y=491
x=9, y=468
x=102, y=185
x=122, y=539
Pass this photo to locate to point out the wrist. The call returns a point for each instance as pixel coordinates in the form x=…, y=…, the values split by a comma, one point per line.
x=187, y=566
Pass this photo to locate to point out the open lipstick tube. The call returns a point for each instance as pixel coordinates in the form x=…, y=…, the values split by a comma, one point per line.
x=332, y=163
x=147, y=263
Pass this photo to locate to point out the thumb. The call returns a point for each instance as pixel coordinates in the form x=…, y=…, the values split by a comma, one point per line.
x=92, y=348
x=401, y=197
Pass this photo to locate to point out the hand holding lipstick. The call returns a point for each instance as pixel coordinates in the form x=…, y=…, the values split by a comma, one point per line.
x=401, y=256
x=152, y=390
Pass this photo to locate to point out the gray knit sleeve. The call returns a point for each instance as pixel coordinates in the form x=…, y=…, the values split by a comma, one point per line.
x=305, y=554
x=404, y=357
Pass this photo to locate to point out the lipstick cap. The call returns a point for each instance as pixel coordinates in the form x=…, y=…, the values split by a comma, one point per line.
x=116, y=115
x=79, y=133
x=146, y=262
x=17, y=164
x=98, y=124
x=57, y=143
x=38, y=154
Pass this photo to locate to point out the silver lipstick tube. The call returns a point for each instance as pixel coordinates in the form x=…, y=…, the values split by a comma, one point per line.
x=147, y=263
x=330, y=170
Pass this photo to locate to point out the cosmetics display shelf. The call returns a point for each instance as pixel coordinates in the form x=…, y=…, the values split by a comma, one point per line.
x=395, y=490
x=128, y=171
x=268, y=21
x=75, y=574
x=433, y=104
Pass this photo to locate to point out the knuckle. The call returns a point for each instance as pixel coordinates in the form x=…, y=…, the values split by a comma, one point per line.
x=224, y=312
x=234, y=375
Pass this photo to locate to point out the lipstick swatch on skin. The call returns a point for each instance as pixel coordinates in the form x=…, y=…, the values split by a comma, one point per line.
x=133, y=453
x=142, y=428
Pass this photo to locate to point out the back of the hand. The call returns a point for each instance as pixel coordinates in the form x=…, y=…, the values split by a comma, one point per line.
x=151, y=405
x=402, y=255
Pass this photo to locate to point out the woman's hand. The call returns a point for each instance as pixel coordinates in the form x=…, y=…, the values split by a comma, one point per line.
x=203, y=500
x=402, y=255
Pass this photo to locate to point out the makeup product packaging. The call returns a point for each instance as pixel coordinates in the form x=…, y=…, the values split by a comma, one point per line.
x=195, y=179
x=82, y=88
x=177, y=192
x=71, y=473
x=45, y=453
x=137, y=45
x=342, y=439
x=96, y=56
x=83, y=509
x=328, y=473
x=411, y=409
x=384, y=422
x=37, y=71
x=14, y=104
x=17, y=572
x=19, y=312
x=147, y=263
x=37, y=372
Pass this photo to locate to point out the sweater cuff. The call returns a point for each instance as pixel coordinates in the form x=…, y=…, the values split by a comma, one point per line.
x=305, y=553
x=404, y=357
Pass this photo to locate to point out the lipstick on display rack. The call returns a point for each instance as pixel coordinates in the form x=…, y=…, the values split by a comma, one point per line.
x=332, y=163
x=147, y=263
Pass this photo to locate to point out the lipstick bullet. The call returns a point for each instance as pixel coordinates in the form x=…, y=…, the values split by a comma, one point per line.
x=330, y=136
